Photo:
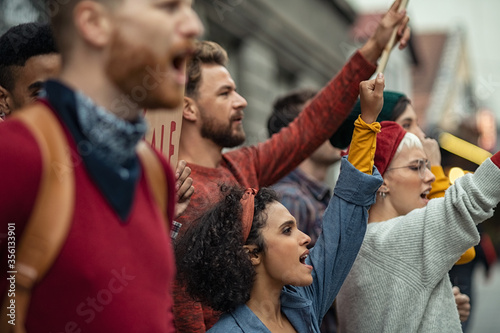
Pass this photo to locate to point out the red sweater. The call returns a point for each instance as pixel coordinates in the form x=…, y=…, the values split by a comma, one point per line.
x=109, y=276
x=266, y=163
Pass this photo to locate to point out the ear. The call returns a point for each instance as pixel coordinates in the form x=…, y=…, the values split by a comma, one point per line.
x=383, y=189
x=4, y=101
x=190, y=111
x=93, y=21
x=255, y=256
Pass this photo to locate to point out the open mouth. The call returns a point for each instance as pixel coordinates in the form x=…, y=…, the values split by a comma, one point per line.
x=303, y=257
x=179, y=61
x=182, y=55
x=424, y=194
x=178, y=65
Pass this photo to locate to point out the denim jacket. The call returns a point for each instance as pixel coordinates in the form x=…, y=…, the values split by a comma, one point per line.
x=344, y=226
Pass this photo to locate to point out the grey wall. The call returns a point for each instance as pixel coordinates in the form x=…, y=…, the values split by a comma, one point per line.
x=13, y=12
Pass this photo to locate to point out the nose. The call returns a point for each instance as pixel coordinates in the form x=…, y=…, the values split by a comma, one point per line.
x=191, y=25
x=429, y=176
x=305, y=239
x=240, y=102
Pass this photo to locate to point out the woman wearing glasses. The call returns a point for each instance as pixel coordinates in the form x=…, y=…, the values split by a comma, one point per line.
x=398, y=108
x=399, y=281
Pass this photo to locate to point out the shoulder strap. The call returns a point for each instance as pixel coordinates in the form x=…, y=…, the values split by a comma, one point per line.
x=155, y=175
x=50, y=220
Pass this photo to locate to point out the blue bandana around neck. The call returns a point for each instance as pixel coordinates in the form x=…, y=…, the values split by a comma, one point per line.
x=105, y=143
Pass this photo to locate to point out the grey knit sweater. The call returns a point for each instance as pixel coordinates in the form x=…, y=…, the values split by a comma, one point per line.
x=399, y=281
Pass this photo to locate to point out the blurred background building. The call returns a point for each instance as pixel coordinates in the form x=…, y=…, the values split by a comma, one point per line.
x=13, y=12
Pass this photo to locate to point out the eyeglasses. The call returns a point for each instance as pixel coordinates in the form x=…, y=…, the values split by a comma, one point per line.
x=418, y=165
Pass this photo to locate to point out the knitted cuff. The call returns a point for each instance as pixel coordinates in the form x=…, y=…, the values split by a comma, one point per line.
x=363, y=145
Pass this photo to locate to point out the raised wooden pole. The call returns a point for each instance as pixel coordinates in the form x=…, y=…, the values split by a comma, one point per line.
x=388, y=48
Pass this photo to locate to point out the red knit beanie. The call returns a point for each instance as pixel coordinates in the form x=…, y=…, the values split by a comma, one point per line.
x=388, y=140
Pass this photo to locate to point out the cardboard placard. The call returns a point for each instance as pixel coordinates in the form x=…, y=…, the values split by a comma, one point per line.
x=165, y=132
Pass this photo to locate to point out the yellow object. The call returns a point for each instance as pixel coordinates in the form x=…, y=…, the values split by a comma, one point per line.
x=440, y=185
x=455, y=173
x=467, y=256
x=363, y=145
x=463, y=148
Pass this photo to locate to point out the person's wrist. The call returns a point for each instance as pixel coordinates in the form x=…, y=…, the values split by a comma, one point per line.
x=371, y=50
x=368, y=119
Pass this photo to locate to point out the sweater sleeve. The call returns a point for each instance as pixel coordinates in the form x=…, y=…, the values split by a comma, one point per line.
x=344, y=225
x=363, y=145
x=439, y=187
x=284, y=151
x=423, y=245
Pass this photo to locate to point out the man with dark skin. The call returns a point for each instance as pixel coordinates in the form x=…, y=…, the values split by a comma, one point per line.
x=28, y=57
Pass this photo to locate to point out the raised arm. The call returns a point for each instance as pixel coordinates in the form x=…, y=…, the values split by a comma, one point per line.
x=441, y=184
x=445, y=228
x=364, y=137
x=378, y=41
x=321, y=118
x=345, y=219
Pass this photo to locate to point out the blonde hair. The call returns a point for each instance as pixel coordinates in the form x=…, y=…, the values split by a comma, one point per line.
x=410, y=140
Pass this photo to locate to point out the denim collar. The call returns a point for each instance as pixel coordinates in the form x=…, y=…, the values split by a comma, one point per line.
x=296, y=308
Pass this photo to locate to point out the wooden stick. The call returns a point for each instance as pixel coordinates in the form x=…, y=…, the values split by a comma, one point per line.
x=388, y=48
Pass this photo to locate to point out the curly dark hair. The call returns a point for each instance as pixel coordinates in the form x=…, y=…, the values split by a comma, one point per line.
x=211, y=260
x=19, y=44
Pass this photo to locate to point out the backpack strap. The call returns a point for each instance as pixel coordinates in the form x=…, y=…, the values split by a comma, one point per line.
x=50, y=220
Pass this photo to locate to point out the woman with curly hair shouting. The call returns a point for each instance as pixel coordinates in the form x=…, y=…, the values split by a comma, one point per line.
x=247, y=258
